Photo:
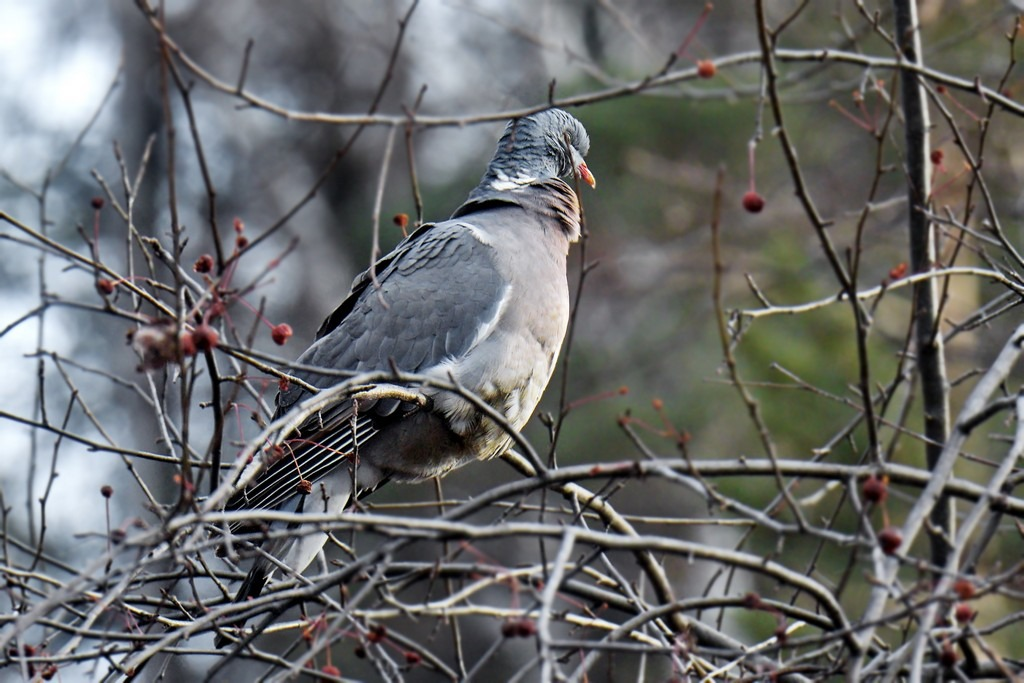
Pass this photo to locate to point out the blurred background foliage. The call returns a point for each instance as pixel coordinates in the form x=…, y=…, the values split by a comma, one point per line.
x=646, y=319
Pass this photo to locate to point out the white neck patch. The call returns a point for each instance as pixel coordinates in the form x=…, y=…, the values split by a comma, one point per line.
x=506, y=182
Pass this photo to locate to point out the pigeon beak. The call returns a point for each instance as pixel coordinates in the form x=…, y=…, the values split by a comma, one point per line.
x=585, y=175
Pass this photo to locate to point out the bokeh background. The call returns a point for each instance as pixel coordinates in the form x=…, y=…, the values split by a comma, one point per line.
x=646, y=319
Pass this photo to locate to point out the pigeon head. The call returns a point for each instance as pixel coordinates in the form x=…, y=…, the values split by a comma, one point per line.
x=548, y=144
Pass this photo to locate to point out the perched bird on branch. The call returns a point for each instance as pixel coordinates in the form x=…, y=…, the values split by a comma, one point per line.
x=479, y=301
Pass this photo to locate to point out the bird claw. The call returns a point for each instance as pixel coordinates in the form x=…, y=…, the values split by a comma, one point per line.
x=378, y=392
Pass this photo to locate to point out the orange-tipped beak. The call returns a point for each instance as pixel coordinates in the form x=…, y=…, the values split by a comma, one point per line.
x=585, y=175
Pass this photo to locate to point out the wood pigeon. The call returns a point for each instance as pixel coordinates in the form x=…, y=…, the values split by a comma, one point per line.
x=481, y=299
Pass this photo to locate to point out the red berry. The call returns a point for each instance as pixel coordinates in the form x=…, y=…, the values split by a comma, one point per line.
x=752, y=601
x=413, y=658
x=947, y=656
x=937, y=156
x=205, y=337
x=203, y=264
x=964, y=589
x=401, y=220
x=518, y=628
x=48, y=672
x=97, y=203
x=275, y=453
x=188, y=344
x=898, y=271
x=104, y=286
x=107, y=490
x=330, y=670
x=215, y=310
x=753, y=202
x=963, y=613
x=706, y=68
x=241, y=241
x=377, y=633
x=890, y=539
x=525, y=628
x=280, y=333
x=876, y=489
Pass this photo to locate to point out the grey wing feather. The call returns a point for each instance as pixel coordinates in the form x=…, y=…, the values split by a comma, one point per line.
x=310, y=454
x=366, y=277
x=428, y=304
x=431, y=297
